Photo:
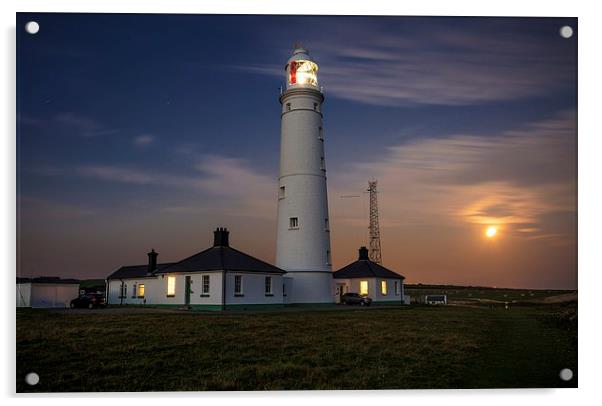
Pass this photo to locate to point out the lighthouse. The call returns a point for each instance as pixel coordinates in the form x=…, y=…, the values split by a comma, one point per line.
x=303, y=234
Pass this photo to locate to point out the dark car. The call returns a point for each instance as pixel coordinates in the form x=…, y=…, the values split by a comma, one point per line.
x=356, y=298
x=89, y=300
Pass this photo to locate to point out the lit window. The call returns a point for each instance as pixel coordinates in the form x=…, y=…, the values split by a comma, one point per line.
x=205, y=284
x=171, y=286
x=268, y=285
x=238, y=284
x=294, y=222
x=396, y=285
x=363, y=287
x=141, y=290
x=383, y=287
x=303, y=73
x=282, y=192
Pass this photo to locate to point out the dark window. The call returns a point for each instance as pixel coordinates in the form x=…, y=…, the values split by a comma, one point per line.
x=205, y=284
x=288, y=107
x=282, y=192
x=238, y=284
x=294, y=222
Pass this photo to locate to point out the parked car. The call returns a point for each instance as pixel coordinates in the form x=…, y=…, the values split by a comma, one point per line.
x=89, y=300
x=356, y=298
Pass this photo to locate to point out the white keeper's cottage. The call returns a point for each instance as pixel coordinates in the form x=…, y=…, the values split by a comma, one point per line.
x=219, y=277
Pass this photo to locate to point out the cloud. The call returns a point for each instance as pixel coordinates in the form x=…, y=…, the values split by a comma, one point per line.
x=34, y=210
x=514, y=179
x=447, y=65
x=144, y=140
x=234, y=186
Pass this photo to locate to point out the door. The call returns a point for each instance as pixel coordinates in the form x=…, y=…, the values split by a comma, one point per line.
x=339, y=293
x=187, y=291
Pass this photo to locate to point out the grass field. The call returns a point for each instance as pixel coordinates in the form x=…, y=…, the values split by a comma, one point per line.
x=347, y=348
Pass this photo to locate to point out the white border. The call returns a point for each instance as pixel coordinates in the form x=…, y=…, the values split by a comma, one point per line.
x=590, y=178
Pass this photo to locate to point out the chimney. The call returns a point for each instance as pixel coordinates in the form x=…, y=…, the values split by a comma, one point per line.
x=152, y=262
x=220, y=237
x=363, y=253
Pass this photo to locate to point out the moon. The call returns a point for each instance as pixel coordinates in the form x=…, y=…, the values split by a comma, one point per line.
x=491, y=231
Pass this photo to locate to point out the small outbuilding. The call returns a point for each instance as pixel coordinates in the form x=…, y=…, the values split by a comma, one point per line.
x=371, y=279
x=46, y=292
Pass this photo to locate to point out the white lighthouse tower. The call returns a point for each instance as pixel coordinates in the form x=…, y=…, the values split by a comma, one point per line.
x=303, y=240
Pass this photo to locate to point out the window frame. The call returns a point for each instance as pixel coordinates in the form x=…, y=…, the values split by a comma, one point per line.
x=141, y=289
x=268, y=286
x=294, y=220
x=205, y=293
x=171, y=285
x=396, y=287
x=365, y=284
x=282, y=192
x=240, y=291
x=383, y=287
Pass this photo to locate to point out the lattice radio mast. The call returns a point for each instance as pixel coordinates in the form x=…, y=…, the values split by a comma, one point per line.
x=374, y=251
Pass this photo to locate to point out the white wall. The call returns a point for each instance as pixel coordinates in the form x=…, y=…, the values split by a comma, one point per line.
x=23, y=294
x=254, y=289
x=45, y=295
x=156, y=289
x=374, y=288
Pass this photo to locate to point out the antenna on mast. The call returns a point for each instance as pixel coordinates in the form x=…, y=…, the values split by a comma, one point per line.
x=374, y=246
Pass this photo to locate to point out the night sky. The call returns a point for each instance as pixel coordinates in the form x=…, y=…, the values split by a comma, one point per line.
x=148, y=131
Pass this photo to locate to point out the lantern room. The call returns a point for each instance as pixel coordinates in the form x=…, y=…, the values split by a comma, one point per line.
x=301, y=70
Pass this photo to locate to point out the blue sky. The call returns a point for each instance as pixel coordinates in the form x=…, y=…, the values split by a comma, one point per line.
x=140, y=131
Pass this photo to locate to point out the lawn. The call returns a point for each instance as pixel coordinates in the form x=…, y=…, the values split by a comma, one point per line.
x=350, y=348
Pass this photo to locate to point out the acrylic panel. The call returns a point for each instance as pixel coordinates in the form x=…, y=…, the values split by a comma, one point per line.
x=277, y=202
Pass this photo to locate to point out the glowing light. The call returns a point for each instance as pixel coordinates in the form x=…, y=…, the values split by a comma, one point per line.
x=363, y=287
x=303, y=73
x=171, y=286
x=491, y=231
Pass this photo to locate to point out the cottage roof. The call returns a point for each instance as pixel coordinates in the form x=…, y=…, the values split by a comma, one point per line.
x=221, y=257
x=134, y=271
x=364, y=268
x=48, y=279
